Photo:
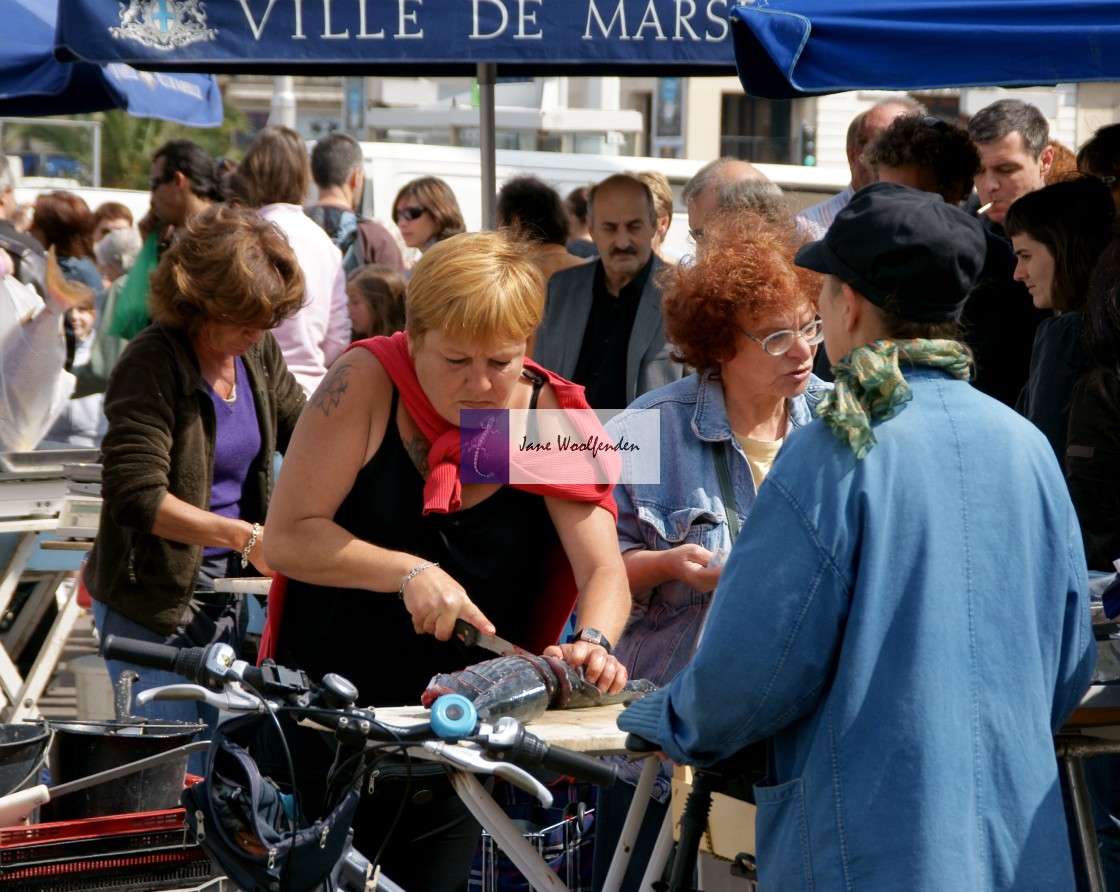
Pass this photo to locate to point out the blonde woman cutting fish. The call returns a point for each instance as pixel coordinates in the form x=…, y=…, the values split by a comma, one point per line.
x=390, y=546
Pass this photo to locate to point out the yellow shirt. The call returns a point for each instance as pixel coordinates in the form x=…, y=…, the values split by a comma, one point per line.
x=760, y=456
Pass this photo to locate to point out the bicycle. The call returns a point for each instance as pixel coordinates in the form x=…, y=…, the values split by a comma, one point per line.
x=254, y=829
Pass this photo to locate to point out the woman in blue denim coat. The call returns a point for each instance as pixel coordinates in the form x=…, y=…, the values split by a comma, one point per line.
x=745, y=317
x=906, y=614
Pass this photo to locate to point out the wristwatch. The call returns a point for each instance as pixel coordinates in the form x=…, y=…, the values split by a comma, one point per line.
x=593, y=636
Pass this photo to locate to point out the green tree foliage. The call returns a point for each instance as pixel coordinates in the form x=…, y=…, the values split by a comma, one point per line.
x=127, y=143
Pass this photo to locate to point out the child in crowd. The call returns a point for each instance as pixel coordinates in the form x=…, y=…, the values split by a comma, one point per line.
x=376, y=301
x=82, y=422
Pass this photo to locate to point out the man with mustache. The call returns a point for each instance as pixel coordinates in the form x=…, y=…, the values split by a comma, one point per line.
x=602, y=324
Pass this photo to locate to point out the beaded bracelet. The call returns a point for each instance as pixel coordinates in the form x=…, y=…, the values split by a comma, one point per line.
x=256, y=534
x=415, y=571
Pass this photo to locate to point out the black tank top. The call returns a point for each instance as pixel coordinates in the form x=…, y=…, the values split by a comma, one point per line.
x=494, y=549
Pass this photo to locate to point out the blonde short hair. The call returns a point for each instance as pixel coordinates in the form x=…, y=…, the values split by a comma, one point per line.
x=478, y=287
x=659, y=188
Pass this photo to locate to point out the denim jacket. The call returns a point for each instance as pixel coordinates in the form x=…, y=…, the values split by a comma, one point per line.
x=687, y=506
x=909, y=629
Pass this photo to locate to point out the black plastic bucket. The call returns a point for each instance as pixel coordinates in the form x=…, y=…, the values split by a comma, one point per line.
x=23, y=749
x=81, y=749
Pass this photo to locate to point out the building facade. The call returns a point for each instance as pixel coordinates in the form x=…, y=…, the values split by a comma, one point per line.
x=695, y=118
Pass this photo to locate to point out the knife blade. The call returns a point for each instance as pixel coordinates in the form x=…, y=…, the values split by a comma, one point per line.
x=472, y=637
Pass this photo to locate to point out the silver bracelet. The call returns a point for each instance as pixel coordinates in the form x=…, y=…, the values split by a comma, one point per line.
x=415, y=571
x=256, y=534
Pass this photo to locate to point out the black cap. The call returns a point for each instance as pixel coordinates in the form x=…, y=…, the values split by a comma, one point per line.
x=899, y=244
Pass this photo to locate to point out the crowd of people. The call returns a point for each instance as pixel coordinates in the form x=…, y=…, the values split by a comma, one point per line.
x=888, y=433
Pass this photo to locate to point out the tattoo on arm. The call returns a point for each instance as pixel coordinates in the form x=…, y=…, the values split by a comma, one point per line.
x=330, y=392
x=418, y=451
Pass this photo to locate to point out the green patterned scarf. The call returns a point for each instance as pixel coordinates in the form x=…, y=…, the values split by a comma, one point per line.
x=869, y=385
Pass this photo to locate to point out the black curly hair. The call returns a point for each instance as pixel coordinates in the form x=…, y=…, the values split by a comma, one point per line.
x=931, y=143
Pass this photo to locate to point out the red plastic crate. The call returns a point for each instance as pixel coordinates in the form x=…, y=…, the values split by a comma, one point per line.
x=106, y=826
x=147, y=850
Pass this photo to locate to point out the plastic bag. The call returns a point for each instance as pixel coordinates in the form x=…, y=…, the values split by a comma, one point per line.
x=34, y=385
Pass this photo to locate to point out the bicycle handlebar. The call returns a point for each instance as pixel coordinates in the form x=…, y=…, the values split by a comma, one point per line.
x=185, y=661
x=215, y=668
x=530, y=751
x=216, y=664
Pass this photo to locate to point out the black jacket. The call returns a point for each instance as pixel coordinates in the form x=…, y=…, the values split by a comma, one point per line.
x=161, y=440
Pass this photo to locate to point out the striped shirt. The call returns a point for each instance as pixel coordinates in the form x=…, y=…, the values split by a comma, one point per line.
x=820, y=216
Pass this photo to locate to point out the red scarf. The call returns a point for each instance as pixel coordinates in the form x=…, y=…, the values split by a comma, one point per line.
x=443, y=489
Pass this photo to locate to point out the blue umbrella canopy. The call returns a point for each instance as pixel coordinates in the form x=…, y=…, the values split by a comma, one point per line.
x=34, y=83
x=523, y=37
x=790, y=48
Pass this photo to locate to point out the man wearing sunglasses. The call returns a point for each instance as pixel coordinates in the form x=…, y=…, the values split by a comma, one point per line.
x=183, y=183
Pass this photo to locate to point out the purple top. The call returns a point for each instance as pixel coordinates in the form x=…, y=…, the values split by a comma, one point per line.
x=236, y=444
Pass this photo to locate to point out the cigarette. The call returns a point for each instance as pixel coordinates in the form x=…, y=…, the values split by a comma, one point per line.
x=983, y=209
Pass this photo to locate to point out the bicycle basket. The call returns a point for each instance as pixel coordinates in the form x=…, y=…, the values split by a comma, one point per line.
x=252, y=828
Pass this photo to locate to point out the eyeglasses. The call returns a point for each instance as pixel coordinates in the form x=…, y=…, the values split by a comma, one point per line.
x=412, y=213
x=780, y=342
x=156, y=182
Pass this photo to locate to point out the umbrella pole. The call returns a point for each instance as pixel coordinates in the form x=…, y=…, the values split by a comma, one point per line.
x=487, y=76
x=96, y=162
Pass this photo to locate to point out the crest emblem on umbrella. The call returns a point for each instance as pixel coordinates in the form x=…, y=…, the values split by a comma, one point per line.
x=163, y=24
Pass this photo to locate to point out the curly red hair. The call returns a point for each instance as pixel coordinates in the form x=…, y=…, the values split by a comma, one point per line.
x=743, y=264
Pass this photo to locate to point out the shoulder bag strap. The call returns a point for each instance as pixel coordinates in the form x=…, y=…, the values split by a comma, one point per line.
x=724, y=474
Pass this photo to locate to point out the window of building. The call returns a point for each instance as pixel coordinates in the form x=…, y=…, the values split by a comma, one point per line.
x=942, y=104
x=757, y=129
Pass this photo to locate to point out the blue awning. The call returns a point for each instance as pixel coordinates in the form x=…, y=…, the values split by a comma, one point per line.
x=34, y=83
x=516, y=38
x=403, y=37
x=790, y=48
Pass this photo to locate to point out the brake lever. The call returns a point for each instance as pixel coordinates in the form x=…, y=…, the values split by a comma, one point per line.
x=232, y=697
x=473, y=761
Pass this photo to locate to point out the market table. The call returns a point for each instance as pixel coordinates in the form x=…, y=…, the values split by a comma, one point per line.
x=592, y=730
x=1092, y=730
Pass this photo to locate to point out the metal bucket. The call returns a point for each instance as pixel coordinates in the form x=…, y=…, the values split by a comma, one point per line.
x=23, y=750
x=81, y=749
